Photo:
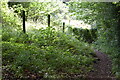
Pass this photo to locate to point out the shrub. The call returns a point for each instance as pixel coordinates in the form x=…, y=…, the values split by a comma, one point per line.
x=85, y=34
x=49, y=53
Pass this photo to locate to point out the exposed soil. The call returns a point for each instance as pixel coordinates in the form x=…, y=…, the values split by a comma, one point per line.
x=102, y=68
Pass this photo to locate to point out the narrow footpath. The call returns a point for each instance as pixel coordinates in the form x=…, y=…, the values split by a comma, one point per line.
x=102, y=68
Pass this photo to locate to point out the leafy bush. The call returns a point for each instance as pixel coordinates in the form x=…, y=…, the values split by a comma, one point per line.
x=85, y=34
x=9, y=18
x=49, y=53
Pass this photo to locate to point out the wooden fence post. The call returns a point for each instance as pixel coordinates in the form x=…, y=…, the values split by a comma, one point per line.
x=63, y=26
x=24, y=22
x=48, y=20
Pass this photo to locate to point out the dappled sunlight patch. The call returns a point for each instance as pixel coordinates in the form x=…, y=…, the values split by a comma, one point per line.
x=34, y=25
x=77, y=24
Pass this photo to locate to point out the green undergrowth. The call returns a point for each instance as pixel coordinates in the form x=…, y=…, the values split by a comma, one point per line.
x=44, y=52
x=40, y=53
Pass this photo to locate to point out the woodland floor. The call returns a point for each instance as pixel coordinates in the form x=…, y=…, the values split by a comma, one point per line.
x=102, y=68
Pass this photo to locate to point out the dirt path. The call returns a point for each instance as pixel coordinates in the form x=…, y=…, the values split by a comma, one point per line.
x=102, y=68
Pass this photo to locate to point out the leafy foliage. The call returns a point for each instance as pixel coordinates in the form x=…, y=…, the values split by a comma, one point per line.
x=42, y=51
x=87, y=35
x=49, y=52
x=38, y=11
x=106, y=20
x=8, y=17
